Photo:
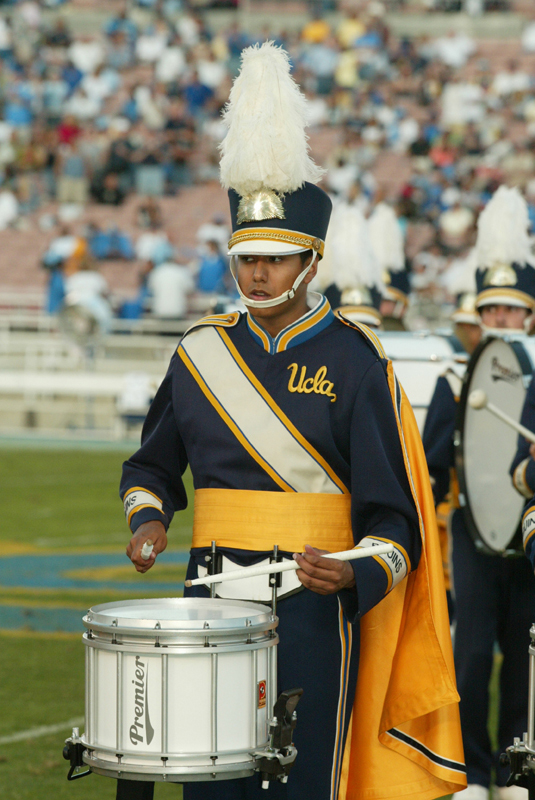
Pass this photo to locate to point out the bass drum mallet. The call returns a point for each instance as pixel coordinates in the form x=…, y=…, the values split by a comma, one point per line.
x=478, y=400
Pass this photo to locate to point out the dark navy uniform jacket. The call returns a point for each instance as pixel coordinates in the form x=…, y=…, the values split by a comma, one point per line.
x=523, y=471
x=355, y=432
x=438, y=437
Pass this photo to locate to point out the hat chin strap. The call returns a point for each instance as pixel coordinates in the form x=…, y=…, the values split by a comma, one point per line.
x=499, y=332
x=276, y=301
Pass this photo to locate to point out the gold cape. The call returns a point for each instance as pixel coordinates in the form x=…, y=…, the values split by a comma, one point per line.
x=405, y=736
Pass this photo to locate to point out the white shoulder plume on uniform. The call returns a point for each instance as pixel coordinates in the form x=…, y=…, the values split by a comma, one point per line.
x=503, y=226
x=460, y=277
x=387, y=238
x=349, y=260
x=266, y=145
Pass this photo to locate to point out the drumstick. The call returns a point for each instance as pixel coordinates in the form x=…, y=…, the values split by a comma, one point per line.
x=478, y=399
x=146, y=550
x=286, y=566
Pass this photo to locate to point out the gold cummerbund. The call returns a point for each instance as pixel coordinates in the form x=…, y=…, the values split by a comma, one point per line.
x=248, y=520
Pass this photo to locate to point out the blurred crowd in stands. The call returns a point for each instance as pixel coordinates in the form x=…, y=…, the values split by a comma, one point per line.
x=135, y=110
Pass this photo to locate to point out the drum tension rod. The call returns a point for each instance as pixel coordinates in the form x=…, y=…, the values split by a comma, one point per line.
x=73, y=752
x=275, y=580
x=215, y=566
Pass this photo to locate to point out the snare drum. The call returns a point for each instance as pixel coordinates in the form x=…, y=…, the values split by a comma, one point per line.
x=485, y=446
x=178, y=689
x=419, y=358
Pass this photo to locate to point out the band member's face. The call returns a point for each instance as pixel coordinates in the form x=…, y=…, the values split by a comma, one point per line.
x=501, y=316
x=387, y=308
x=266, y=277
x=469, y=335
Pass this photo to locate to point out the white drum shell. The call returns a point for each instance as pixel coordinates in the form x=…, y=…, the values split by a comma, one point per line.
x=491, y=505
x=419, y=359
x=173, y=688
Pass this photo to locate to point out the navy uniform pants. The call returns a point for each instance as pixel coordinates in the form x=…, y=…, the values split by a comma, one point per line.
x=494, y=602
x=318, y=652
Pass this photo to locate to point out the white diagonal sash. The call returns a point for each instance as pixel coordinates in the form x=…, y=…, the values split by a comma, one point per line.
x=262, y=424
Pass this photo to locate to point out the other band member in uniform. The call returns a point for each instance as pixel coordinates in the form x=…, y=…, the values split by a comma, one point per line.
x=523, y=466
x=387, y=242
x=460, y=280
x=349, y=272
x=467, y=322
x=494, y=596
x=523, y=473
x=438, y=436
x=298, y=434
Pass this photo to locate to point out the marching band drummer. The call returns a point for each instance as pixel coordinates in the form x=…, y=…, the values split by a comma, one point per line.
x=297, y=432
x=523, y=473
x=494, y=596
x=438, y=436
x=460, y=281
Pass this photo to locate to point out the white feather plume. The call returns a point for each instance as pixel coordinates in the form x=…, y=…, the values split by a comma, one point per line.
x=460, y=277
x=503, y=230
x=349, y=260
x=266, y=145
x=387, y=238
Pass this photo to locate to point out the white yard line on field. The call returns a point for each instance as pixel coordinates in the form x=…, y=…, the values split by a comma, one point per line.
x=43, y=730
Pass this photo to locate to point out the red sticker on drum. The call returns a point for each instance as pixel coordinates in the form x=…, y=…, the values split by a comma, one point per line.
x=262, y=694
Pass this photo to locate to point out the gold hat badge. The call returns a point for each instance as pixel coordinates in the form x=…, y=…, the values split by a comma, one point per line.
x=259, y=205
x=500, y=275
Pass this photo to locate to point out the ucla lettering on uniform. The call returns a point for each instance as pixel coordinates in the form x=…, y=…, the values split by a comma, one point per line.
x=318, y=384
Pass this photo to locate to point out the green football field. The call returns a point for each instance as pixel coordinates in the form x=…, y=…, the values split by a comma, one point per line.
x=60, y=504
x=61, y=519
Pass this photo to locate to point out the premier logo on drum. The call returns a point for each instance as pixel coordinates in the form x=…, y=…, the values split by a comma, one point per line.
x=141, y=706
x=501, y=373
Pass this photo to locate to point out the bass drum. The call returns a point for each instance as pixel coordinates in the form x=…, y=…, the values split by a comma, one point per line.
x=485, y=446
x=419, y=358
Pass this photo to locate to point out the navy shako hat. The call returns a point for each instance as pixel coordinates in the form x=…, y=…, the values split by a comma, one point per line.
x=397, y=286
x=360, y=305
x=505, y=275
x=306, y=214
x=506, y=284
x=465, y=309
x=275, y=207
